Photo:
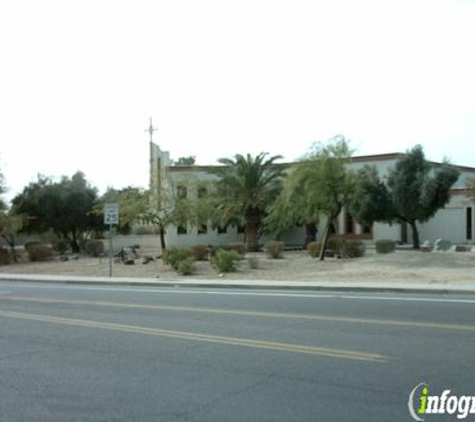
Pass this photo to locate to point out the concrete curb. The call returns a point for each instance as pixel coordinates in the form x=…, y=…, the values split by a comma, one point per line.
x=356, y=287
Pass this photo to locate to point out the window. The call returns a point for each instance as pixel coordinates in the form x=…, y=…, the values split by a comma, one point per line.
x=181, y=230
x=240, y=229
x=366, y=229
x=222, y=230
x=182, y=192
x=469, y=224
x=203, y=229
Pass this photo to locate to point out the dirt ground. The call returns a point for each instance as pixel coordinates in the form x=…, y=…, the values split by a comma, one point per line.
x=400, y=266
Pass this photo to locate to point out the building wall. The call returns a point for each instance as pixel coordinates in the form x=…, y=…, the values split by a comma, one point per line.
x=449, y=223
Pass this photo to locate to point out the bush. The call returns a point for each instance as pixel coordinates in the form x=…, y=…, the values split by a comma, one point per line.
x=240, y=248
x=353, y=249
x=225, y=261
x=61, y=246
x=385, y=246
x=186, y=266
x=5, y=256
x=38, y=252
x=200, y=252
x=174, y=255
x=253, y=262
x=28, y=245
x=335, y=244
x=275, y=249
x=94, y=247
x=314, y=248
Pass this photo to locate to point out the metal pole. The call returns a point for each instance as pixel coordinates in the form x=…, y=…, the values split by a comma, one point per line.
x=110, y=250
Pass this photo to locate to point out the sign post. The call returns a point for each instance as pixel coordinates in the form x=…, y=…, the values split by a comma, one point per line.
x=111, y=217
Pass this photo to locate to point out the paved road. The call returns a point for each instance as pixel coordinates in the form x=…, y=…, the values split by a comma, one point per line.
x=76, y=353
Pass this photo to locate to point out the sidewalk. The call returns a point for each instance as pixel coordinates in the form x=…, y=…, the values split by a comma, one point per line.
x=330, y=286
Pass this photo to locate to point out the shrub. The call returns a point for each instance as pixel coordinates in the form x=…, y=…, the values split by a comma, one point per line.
x=240, y=248
x=186, y=266
x=385, y=246
x=353, y=249
x=200, y=252
x=335, y=244
x=5, y=256
x=253, y=262
x=174, y=255
x=38, y=252
x=94, y=247
x=314, y=248
x=275, y=249
x=61, y=246
x=28, y=245
x=225, y=261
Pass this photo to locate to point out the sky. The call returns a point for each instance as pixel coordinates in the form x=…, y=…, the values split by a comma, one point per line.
x=79, y=81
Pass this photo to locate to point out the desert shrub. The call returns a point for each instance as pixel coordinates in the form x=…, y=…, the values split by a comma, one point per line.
x=186, y=266
x=275, y=249
x=353, y=249
x=335, y=244
x=38, y=252
x=199, y=252
x=33, y=243
x=240, y=248
x=174, y=255
x=385, y=246
x=5, y=256
x=61, y=246
x=314, y=248
x=225, y=261
x=94, y=247
x=253, y=262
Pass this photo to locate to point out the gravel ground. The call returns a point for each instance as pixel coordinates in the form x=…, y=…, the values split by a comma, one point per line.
x=400, y=266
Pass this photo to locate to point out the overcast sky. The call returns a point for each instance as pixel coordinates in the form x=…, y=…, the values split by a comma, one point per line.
x=80, y=79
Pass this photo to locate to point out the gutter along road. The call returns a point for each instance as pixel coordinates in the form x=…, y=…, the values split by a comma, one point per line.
x=95, y=353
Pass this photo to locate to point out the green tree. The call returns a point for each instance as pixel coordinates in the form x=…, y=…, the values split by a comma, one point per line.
x=185, y=161
x=133, y=203
x=412, y=193
x=245, y=189
x=10, y=225
x=322, y=185
x=65, y=207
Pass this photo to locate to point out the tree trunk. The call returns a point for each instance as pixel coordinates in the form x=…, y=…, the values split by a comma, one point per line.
x=250, y=233
x=310, y=233
x=11, y=242
x=415, y=236
x=162, y=238
x=326, y=235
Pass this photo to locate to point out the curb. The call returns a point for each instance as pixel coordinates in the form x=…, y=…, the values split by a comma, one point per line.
x=258, y=285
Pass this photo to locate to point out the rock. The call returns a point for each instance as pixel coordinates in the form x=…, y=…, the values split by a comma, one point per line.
x=129, y=262
x=442, y=245
x=461, y=248
x=427, y=246
x=63, y=258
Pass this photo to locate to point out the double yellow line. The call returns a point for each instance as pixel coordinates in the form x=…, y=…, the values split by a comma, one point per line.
x=258, y=344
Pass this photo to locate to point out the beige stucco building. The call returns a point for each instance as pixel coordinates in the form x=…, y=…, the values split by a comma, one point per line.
x=455, y=222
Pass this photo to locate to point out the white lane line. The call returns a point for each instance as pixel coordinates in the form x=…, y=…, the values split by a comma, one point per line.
x=252, y=293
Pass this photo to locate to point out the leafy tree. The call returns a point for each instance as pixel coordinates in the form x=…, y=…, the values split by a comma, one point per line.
x=186, y=161
x=65, y=207
x=318, y=186
x=10, y=225
x=410, y=194
x=133, y=203
x=470, y=184
x=245, y=189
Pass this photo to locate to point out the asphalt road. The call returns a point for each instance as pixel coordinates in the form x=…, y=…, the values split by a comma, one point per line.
x=75, y=353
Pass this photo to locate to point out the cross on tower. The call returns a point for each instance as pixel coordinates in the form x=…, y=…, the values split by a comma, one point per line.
x=151, y=129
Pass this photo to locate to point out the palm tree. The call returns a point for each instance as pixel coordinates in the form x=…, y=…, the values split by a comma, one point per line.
x=246, y=187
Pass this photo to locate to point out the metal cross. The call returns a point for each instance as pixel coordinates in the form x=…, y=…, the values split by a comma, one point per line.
x=151, y=129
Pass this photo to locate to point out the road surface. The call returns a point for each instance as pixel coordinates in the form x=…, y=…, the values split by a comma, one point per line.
x=78, y=353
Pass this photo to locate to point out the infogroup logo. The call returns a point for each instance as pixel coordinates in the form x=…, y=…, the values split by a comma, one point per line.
x=421, y=403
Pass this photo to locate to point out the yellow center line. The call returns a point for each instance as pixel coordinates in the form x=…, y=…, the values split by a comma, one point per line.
x=259, y=344
x=233, y=312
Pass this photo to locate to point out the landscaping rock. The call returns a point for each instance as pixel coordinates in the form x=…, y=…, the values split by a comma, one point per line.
x=461, y=248
x=442, y=245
